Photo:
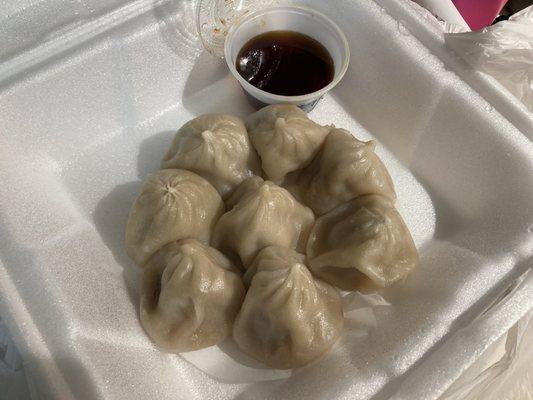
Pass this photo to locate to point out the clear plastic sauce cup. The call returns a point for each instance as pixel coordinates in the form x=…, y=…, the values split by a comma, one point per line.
x=287, y=18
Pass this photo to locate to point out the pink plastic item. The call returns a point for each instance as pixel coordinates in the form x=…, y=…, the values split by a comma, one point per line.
x=479, y=13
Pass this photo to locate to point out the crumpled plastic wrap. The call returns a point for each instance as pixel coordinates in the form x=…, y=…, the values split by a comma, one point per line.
x=13, y=385
x=504, y=51
x=503, y=372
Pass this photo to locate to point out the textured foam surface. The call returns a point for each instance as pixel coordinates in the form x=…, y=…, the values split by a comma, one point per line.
x=80, y=129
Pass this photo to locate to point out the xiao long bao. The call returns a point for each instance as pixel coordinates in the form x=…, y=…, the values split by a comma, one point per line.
x=251, y=229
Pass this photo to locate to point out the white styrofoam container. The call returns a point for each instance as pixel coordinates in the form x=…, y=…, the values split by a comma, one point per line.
x=90, y=95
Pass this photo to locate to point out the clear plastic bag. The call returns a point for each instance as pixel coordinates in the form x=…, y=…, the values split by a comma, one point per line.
x=503, y=50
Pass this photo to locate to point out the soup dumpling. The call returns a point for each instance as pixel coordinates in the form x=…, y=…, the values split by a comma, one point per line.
x=246, y=187
x=173, y=204
x=344, y=169
x=216, y=147
x=360, y=242
x=267, y=215
x=285, y=138
x=288, y=318
x=190, y=296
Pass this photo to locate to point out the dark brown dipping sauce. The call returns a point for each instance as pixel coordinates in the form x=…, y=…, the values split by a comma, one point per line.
x=286, y=63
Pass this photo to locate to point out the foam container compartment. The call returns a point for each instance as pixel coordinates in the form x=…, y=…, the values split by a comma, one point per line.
x=91, y=93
